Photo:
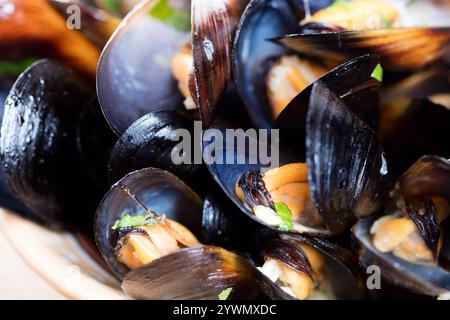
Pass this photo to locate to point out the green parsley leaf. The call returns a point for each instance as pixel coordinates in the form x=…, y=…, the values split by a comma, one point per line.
x=377, y=73
x=342, y=4
x=385, y=22
x=113, y=6
x=178, y=18
x=128, y=221
x=225, y=294
x=14, y=68
x=285, y=215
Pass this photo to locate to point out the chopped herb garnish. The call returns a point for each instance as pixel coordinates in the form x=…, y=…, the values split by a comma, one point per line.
x=127, y=221
x=179, y=18
x=283, y=212
x=225, y=294
x=385, y=22
x=341, y=4
x=377, y=73
x=14, y=68
x=113, y=6
x=411, y=2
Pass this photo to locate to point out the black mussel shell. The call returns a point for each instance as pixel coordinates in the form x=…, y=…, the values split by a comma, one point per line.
x=200, y=273
x=348, y=172
x=7, y=199
x=213, y=31
x=401, y=49
x=352, y=81
x=158, y=190
x=134, y=73
x=38, y=141
x=303, y=6
x=419, y=85
x=340, y=265
x=229, y=106
x=150, y=142
x=95, y=141
x=428, y=280
x=253, y=54
x=224, y=225
x=227, y=173
x=432, y=83
x=422, y=129
x=429, y=176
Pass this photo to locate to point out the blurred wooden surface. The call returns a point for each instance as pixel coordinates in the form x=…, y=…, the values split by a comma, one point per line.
x=57, y=257
x=18, y=281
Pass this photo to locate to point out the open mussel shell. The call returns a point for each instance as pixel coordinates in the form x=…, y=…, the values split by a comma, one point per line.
x=253, y=54
x=352, y=81
x=234, y=162
x=400, y=49
x=421, y=130
x=151, y=142
x=38, y=141
x=213, y=30
x=159, y=191
x=429, y=176
x=426, y=280
x=419, y=85
x=44, y=34
x=224, y=225
x=134, y=73
x=200, y=273
x=95, y=140
x=96, y=24
x=341, y=267
x=347, y=170
x=410, y=107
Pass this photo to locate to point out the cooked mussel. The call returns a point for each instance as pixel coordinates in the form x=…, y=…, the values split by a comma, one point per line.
x=149, y=227
x=38, y=142
x=357, y=27
x=269, y=76
x=135, y=73
x=185, y=70
x=353, y=81
x=224, y=225
x=313, y=269
x=294, y=268
x=345, y=172
x=151, y=142
x=202, y=272
x=409, y=243
x=146, y=215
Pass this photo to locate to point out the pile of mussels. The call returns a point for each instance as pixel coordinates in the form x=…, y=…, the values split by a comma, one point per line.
x=358, y=89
